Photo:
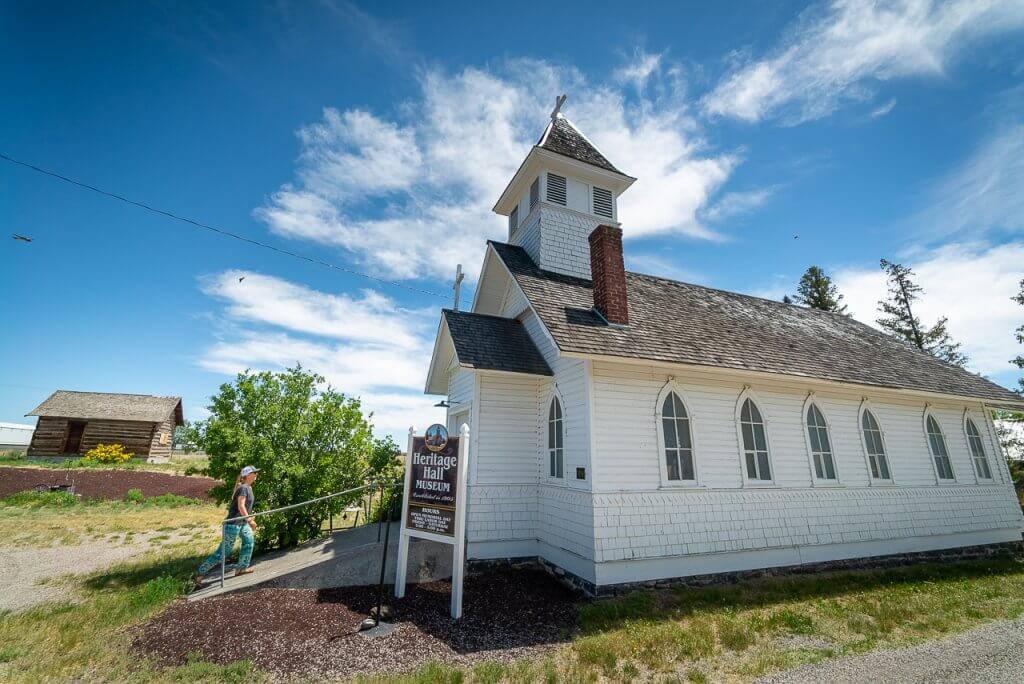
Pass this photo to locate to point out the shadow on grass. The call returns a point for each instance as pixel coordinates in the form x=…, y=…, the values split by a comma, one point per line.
x=130, y=574
x=768, y=591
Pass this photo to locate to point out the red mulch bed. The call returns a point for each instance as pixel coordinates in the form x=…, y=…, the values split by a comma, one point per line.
x=507, y=615
x=106, y=484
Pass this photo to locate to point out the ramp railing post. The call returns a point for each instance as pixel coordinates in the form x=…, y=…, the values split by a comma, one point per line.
x=223, y=551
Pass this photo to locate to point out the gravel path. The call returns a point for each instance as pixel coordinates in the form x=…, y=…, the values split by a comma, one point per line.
x=22, y=570
x=991, y=653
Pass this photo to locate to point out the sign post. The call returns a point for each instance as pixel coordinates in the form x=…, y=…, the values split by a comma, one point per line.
x=434, y=502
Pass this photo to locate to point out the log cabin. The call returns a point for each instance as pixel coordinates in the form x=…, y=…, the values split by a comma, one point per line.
x=71, y=423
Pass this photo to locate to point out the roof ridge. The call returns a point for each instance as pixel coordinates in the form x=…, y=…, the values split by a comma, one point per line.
x=120, y=394
x=474, y=313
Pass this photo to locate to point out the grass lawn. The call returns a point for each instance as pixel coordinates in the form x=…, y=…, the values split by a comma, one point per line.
x=719, y=634
x=31, y=519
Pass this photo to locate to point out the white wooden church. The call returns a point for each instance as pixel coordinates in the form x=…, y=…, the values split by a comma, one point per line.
x=628, y=428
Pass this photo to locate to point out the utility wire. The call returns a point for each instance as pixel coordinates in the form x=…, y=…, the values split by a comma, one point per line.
x=214, y=229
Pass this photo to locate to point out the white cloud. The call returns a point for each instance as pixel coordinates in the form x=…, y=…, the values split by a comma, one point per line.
x=736, y=203
x=970, y=283
x=985, y=194
x=837, y=52
x=364, y=346
x=883, y=109
x=659, y=265
x=394, y=192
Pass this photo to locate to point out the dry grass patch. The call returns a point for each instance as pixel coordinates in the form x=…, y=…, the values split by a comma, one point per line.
x=24, y=524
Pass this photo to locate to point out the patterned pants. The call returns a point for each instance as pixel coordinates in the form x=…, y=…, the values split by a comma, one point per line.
x=231, y=532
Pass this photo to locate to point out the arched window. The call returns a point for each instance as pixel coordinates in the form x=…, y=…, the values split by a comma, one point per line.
x=755, y=442
x=937, y=444
x=875, y=447
x=675, y=431
x=981, y=466
x=821, y=446
x=555, y=453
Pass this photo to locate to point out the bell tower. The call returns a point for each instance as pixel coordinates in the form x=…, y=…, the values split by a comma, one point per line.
x=563, y=190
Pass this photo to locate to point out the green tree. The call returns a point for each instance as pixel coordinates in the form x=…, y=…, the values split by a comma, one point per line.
x=306, y=440
x=386, y=468
x=899, y=320
x=817, y=291
x=1018, y=360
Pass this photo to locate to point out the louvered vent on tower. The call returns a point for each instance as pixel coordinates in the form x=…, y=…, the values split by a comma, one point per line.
x=556, y=189
x=534, y=192
x=513, y=220
x=603, y=202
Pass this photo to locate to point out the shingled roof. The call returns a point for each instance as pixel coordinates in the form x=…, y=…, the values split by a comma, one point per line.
x=561, y=137
x=107, y=406
x=494, y=343
x=683, y=323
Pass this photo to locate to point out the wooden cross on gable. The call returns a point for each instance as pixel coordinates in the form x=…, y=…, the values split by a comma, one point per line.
x=559, y=101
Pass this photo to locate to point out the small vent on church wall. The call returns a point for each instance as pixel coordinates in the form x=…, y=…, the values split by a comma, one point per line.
x=603, y=202
x=513, y=220
x=534, y=192
x=556, y=189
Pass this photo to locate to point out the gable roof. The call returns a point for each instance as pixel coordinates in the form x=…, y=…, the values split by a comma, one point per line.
x=493, y=343
x=678, y=322
x=561, y=137
x=108, y=406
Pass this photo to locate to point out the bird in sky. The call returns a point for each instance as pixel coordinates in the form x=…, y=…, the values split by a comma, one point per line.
x=241, y=279
x=21, y=237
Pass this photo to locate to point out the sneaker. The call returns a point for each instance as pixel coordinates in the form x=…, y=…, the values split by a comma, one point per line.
x=243, y=571
x=198, y=579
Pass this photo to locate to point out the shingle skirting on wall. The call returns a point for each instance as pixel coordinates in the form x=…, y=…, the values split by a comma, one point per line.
x=684, y=523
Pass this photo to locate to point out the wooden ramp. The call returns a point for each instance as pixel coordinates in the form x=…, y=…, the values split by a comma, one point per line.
x=349, y=557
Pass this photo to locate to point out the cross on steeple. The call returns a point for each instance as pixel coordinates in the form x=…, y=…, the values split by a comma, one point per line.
x=559, y=101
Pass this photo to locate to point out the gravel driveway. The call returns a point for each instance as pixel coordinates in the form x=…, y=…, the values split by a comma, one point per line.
x=21, y=569
x=991, y=653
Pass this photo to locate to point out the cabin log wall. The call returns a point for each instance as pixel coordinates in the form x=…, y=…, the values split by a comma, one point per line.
x=48, y=438
x=134, y=436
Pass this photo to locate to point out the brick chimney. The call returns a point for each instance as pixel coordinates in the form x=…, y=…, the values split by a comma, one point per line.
x=608, y=274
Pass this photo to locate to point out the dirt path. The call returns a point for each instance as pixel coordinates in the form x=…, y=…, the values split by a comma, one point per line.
x=990, y=653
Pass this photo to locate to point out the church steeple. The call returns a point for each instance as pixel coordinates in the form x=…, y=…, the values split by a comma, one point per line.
x=563, y=190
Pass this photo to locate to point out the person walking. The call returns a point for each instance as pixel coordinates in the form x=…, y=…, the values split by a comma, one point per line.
x=241, y=507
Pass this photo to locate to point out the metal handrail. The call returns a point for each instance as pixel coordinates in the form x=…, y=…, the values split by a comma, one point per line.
x=224, y=524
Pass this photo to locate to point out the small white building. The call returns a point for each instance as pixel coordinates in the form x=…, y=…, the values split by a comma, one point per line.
x=628, y=428
x=15, y=436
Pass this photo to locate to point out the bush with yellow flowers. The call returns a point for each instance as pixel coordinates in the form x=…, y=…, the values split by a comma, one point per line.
x=107, y=453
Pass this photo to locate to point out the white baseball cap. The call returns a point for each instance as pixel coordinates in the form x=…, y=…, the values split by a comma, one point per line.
x=249, y=470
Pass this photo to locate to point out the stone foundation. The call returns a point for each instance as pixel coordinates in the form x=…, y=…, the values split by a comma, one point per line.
x=588, y=588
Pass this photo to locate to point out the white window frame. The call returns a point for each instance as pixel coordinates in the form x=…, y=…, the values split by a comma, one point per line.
x=815, y=480
x=978, y=479
x=866, y=406
x=748, y=393
x=545, y=421
x=668, y=388
x=925, y=415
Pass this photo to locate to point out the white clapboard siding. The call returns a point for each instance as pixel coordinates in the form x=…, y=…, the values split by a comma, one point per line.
x=507, y=427
x=460, y=388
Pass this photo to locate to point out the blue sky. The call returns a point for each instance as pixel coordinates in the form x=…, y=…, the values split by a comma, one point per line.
x=368, y=135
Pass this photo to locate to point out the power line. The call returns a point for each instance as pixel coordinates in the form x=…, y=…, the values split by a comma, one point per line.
x=214, y=229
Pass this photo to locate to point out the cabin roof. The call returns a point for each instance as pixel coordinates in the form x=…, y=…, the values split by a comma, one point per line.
x=110, y=406
x=678, y=322
x=494, y=343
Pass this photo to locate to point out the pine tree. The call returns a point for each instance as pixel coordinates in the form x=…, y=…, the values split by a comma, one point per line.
x=898, y=317
x=1018, y=361
x=817, y=291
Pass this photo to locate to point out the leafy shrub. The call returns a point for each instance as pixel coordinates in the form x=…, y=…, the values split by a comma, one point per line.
x=107, y=453
x=306, y=438
x=40, y=499
x=134, y=496
x=170, y=501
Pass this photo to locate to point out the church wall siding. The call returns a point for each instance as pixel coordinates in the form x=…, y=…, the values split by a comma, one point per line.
x=639, y=519
x=564, y=246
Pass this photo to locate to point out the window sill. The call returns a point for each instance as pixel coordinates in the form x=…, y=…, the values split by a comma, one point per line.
x=681, y=485
x=759, y=484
